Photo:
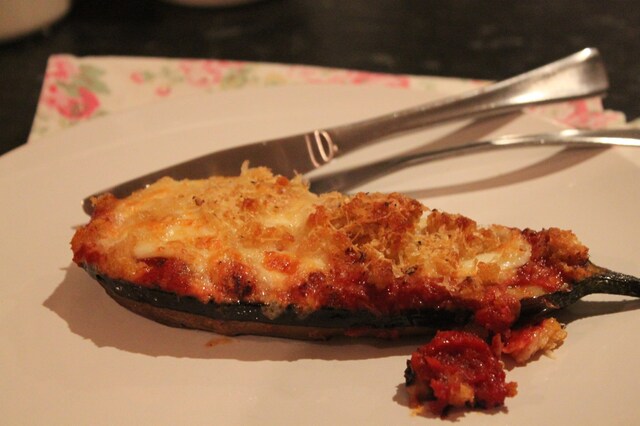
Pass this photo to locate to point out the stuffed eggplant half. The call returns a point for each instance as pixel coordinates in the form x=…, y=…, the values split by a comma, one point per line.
x=261, y=254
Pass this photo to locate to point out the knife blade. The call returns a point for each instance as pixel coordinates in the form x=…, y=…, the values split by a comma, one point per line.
x=285, y=156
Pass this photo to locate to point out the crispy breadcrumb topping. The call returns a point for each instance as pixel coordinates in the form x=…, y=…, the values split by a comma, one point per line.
x=267, y=239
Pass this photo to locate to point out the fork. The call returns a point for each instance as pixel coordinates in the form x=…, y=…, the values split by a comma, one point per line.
x=347, y=179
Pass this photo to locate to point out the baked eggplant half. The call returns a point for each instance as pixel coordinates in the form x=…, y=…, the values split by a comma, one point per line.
x=261, y=254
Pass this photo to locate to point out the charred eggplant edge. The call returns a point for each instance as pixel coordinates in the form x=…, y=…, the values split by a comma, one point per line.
x=258, y=319
x=321, y=324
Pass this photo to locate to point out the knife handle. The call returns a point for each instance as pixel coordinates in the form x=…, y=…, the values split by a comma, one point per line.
x=577, y=76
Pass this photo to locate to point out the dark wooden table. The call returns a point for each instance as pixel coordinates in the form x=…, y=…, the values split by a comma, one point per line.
x=463, y=38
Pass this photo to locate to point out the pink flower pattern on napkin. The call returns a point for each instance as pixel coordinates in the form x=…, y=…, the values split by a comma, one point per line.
x=317, y=75
x=72, y=90
x=204, y=73
x=208, y=75
x=78, y=107
x=196, y=73
x=79, y=89
x=585, y=116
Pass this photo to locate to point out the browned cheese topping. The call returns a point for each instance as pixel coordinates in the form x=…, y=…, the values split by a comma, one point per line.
x=264, y=238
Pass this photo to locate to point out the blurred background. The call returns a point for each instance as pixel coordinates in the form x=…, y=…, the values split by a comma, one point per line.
x=457, y=38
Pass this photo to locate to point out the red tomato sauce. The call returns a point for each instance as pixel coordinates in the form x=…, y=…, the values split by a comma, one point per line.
x=457, y=368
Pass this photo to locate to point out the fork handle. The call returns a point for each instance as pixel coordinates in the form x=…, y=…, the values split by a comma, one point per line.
x=350, y=178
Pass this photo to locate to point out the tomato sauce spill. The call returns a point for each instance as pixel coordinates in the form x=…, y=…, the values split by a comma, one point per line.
x=456, y=369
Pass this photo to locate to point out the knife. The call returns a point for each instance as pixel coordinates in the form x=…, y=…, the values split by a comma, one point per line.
x=576, y=76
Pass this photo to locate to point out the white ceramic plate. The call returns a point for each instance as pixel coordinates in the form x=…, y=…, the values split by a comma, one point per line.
x=70, y=355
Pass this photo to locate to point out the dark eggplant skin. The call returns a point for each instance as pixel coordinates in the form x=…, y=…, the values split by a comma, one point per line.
x=189, y=312
x=253, y=318
x=604, y=281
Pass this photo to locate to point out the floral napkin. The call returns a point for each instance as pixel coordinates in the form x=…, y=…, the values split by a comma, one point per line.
x=77, y=89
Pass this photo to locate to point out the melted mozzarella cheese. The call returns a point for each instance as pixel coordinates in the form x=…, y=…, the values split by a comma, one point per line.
x=508, y=257
x=281, y=234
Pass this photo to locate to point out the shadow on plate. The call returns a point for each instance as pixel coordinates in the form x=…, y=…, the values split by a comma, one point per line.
x=590, y=308
x=401, y=398
x=93, y=315
x=553, y=164
x=480, y=130
x=90, y=313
